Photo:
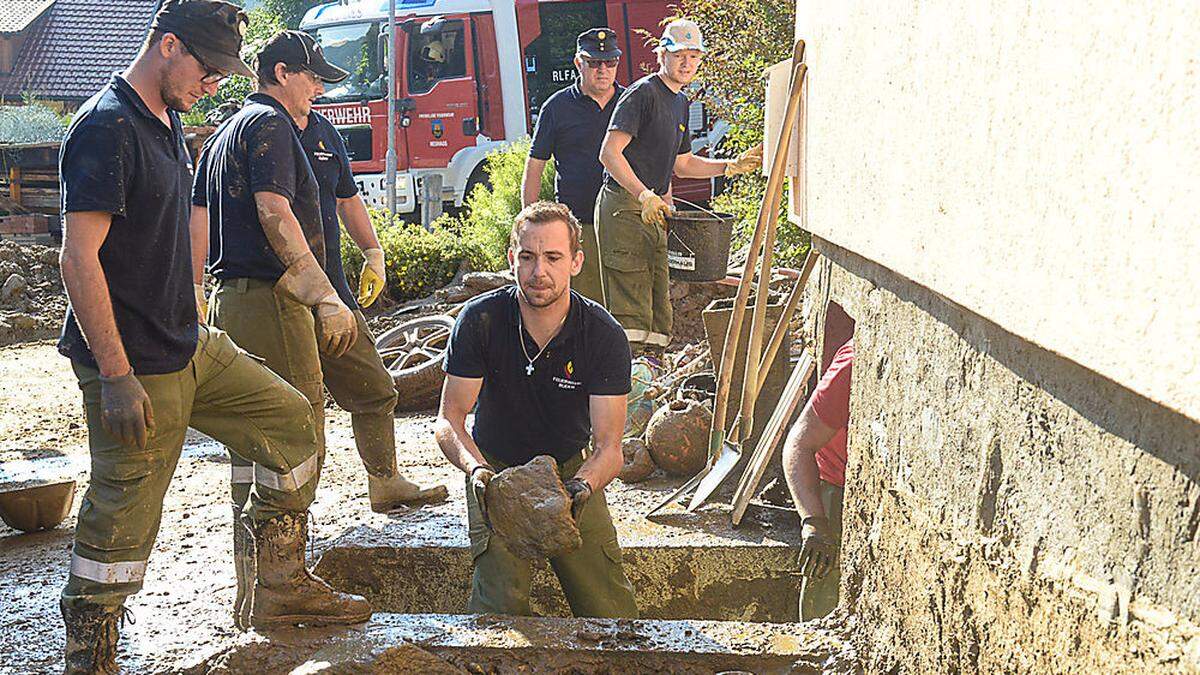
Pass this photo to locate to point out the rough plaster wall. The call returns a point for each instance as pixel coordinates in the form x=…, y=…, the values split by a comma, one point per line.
x=1007, y=510
x=1035, y=162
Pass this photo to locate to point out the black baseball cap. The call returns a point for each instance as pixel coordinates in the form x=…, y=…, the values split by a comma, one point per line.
x=211, y=29
x=300, y=50
x=598, y=43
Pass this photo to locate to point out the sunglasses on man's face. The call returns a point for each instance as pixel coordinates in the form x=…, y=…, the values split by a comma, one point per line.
x=595, y=64
x=211, y=75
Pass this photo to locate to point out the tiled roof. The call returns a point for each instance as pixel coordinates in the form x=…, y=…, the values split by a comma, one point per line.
x=77, y=46
x=16, y=15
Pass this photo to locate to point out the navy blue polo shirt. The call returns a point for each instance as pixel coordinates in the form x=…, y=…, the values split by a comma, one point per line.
x=256, y=150
x=330, y=164
x=571, y=128
x=119, y=158
x=520, y=416
x=657, y=119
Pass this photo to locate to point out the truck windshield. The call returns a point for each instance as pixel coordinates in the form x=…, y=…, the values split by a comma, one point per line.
x=354, y=48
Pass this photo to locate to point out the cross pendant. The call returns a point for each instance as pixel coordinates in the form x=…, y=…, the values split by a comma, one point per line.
x=529, y=369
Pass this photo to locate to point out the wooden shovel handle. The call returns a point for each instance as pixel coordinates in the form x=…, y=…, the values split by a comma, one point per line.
x=766, y=213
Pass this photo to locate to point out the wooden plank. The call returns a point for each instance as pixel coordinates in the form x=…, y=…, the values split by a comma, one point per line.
x=772, y=435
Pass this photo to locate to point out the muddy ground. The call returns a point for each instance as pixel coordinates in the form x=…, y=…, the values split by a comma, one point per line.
x=183, y=612
x=183, y=609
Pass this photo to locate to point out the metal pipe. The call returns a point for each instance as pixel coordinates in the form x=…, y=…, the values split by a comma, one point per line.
x=390, y=180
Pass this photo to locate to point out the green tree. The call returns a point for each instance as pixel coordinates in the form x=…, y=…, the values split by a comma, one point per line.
x=743, y=38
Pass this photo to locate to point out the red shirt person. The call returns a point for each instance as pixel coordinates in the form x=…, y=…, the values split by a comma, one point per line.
x=814, y=463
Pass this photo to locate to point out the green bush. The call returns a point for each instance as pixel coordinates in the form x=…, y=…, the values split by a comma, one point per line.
x=30, y=123
x=418, y=261
x=492, y=206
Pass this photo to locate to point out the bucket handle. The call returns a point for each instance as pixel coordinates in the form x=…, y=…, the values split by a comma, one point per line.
x=697, y=207
x=671, y=233
x=674, y=199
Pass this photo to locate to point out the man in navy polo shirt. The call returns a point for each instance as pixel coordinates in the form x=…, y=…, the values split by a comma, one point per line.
x=147, y=370
x=256, y=209
x=549, y=370
x=358, y=380
x=570, y=127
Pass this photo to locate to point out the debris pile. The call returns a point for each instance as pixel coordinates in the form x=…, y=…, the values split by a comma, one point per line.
x=688, y=301
x=32, y=300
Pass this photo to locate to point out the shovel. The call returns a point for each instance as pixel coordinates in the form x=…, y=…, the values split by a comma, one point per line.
x=723, y=456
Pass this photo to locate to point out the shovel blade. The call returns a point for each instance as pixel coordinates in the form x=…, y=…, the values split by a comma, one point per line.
x=678, y=494
x=730, y=454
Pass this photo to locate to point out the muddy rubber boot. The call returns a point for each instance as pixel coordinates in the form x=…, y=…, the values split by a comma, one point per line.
x=285, y=592
x=92, y=634
x=389, y=494
x=244, y=567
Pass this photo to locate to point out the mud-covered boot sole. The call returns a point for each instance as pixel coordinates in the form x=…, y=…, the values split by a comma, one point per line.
x=434, y=495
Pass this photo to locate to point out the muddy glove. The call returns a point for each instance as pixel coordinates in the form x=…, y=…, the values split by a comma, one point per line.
x=201, y=303
x=125, y=409
x=373, y=278
x=818, y=549
x=580, y=492
x=306, y=283
x=480, y=477
x=750, y=160
x=654, y=209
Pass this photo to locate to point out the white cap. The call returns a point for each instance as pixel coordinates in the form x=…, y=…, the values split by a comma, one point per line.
x=682, y=34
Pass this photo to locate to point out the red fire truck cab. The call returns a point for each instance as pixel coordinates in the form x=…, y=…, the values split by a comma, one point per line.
x=472, y=75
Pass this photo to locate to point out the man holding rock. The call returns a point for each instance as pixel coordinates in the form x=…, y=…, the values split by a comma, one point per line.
x=549, y=370
x=647, y=142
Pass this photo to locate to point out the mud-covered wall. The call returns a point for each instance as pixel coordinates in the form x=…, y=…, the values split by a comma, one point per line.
x=1006, y=509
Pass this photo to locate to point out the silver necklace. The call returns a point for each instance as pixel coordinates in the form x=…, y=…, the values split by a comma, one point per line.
x=521, y=339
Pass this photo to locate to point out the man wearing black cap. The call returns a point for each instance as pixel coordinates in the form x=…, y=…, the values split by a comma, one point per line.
x=570, y=127
x=256, y=210
x=358, y=380
x=146, y=368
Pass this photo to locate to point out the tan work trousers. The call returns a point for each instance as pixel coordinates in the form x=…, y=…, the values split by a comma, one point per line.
x=635, y=281
x=592, y=577
x=282, y=332
x=223, y=393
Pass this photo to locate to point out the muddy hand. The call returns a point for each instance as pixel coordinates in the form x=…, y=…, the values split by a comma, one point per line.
x=338, y=327
x=818, y=550
x=480, y=477
x=125, y=409
x=580, y=492
x=654, y=209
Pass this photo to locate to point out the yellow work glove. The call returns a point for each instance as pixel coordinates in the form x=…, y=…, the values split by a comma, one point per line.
x=750, y=160
x=654, y=209
x=373, y=278
x=201, y=303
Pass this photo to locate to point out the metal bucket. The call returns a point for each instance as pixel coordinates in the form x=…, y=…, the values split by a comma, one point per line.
x=698, y=244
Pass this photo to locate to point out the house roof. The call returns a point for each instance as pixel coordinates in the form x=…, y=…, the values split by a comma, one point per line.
x=76, y=46
x=16, y=15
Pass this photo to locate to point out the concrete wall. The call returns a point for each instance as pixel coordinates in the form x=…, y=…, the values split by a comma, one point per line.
x=1006, y=509
x=1035, y=163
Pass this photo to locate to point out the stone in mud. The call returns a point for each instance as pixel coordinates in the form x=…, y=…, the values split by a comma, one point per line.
x=13, y=287
x=530, y=509
x=638, y=464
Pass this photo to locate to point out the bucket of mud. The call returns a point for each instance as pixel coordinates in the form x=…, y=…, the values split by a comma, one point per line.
x=698, y=244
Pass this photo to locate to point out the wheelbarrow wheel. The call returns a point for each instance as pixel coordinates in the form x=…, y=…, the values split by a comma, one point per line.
x=413, y=353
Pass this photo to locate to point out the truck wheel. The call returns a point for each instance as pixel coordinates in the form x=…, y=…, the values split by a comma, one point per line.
x=413, y=353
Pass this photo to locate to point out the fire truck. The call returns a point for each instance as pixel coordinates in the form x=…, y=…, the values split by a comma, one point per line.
x=472, y=75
